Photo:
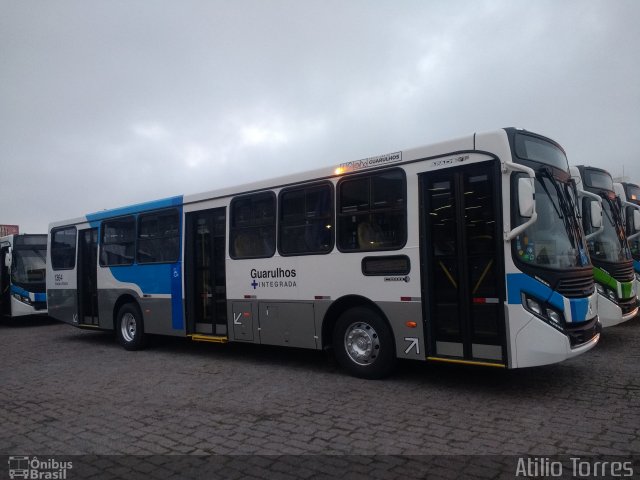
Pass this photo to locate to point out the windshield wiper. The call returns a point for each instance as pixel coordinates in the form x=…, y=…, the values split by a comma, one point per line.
x=615, y=219
x=562, y=206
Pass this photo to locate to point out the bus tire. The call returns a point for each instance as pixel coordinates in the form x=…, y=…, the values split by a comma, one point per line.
x=363, y=343
x=130, y=327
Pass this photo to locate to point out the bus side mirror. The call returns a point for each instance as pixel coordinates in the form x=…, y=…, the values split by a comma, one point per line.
x=636, y=221
x=526, y=197
x=7, y=259
x=595, y=215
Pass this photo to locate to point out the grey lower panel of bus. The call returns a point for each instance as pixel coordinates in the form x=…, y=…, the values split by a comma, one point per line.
x=478, y=351
x=63, y=305
x=156, y=312
x=299, y=324
x=285, y=323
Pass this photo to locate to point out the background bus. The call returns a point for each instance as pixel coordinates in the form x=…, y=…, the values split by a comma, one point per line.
x=629, y=194
x=22, y=275
x=608, y=246
x=435, y=253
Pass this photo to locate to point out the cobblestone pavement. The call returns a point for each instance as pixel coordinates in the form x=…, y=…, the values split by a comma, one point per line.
x=65, y=391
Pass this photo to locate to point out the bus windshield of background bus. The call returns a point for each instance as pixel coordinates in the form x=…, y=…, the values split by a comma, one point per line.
x=633, y=194
x=554, y=240
x=28, y=266
x=596, y=179
x=539, y=150
x=610, y=245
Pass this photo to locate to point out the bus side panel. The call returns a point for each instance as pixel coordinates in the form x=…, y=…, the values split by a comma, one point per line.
x=410, y=341
x=156, y=312
x=156, y=288
x=63, y=305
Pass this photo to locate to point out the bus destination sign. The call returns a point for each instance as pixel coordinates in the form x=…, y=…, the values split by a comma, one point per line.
x=378, y=161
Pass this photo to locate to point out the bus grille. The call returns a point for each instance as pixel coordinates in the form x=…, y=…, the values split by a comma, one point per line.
x=627, y=306
x=622, y=273
x=576, y=287
x=583, y=332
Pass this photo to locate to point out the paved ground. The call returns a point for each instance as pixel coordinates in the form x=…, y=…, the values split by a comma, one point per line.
x=64, y=391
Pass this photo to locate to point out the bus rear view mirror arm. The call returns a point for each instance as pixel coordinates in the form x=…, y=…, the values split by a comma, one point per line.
x=595, y=213
x=526, y=198
x=636, y=223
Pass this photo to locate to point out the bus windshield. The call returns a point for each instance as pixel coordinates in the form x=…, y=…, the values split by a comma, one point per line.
x=28, y=266
x=555, y=240
x=633, y=193
x=611, y=244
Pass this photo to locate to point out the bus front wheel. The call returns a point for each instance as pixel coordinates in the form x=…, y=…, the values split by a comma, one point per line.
x=130, y=328
x=363, y=343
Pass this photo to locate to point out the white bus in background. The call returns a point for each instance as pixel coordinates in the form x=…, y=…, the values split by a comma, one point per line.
x=438, y=253
x=22, y=275
x=629, y=194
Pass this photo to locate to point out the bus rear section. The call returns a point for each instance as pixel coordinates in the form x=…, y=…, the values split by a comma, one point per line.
x=22, y=277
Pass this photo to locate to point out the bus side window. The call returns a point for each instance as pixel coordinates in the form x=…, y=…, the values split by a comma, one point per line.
x=159, y=237
x=372, y=212
x=306, y=220
x=63, y=248
x=252, y=232
x=118, y=241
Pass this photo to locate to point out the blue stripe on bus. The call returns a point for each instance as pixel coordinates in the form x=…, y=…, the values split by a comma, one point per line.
x=37, y=297
x=636, y=265
x=520, y=282
x=177, y=319
x=138, y=208
x=579, y=309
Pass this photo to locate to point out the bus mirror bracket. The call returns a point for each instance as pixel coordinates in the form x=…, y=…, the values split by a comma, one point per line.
x=595, y=213
x=636, y=223
x=526, y=198
x=636, y=219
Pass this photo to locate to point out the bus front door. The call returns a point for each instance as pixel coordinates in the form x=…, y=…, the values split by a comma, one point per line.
x=205, y=277
x=87, y=277
x=462, y=267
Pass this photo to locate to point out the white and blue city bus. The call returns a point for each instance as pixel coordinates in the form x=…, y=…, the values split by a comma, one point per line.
x=467, y=251
x=22, y=275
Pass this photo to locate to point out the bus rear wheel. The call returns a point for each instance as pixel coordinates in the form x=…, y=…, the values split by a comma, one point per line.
x=363, y=343
x=130, y=328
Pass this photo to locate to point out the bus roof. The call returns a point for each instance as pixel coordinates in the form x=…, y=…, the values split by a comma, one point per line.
x=460, y=144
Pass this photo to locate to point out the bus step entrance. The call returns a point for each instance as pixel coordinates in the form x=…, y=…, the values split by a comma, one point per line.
x=198, y=337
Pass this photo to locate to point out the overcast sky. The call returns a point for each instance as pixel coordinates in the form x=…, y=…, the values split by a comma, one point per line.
x=107, y=103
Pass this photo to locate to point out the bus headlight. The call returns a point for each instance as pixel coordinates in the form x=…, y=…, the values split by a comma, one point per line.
x=554, y=316
x=533, y=306
x=22, y=299
x=607, y=292
x=543, y=311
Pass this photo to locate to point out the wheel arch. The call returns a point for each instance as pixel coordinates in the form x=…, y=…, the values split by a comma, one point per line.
x=340, y=306
x=123, y=300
